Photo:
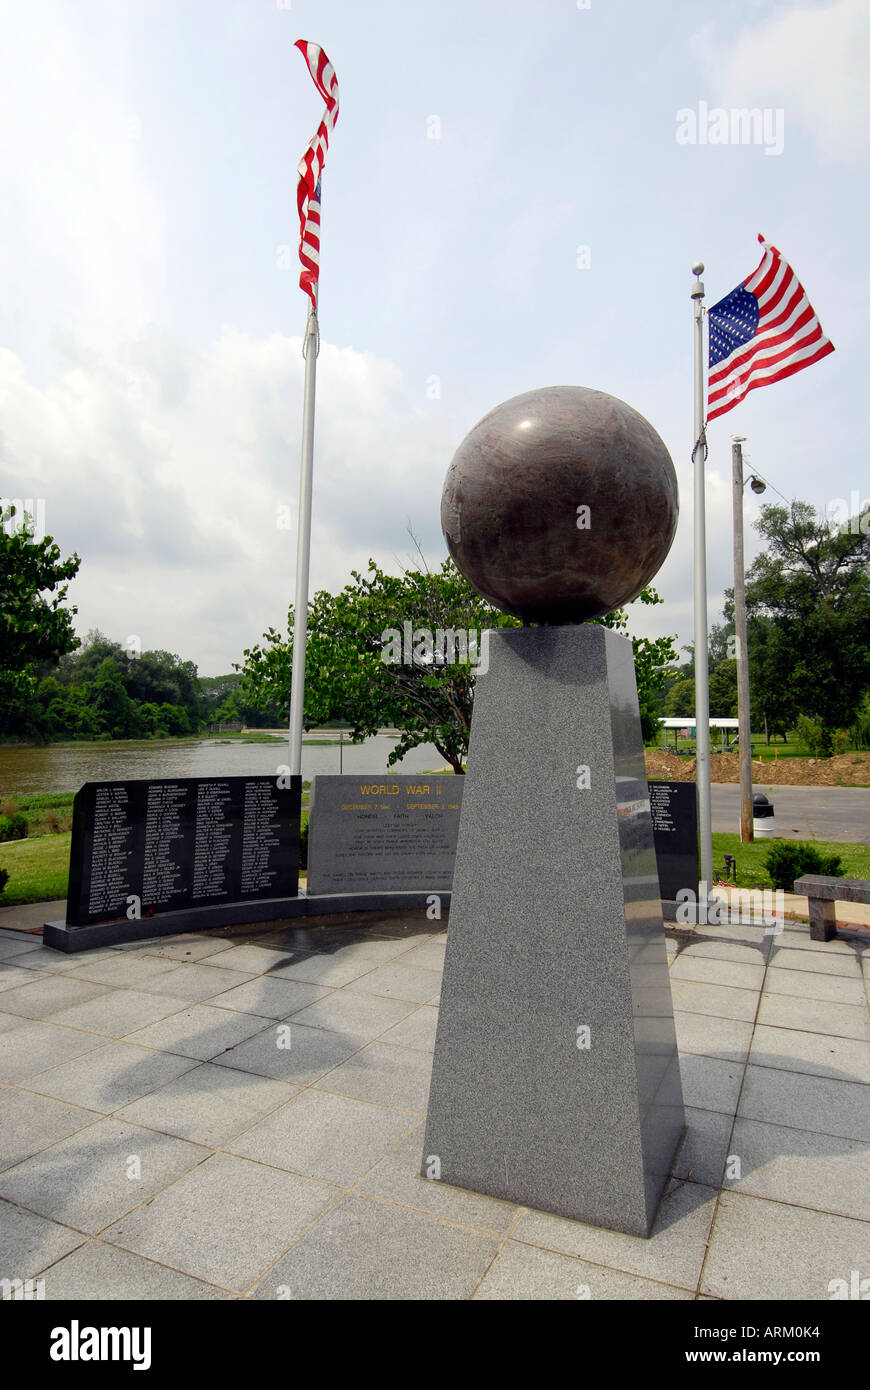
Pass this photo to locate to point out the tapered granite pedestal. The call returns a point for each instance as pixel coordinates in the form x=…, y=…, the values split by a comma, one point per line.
x=556, y=929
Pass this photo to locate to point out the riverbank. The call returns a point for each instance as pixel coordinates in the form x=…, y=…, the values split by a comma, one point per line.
x=51, y=768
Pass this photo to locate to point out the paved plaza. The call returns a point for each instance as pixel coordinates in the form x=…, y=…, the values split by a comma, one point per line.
x=239, y=1114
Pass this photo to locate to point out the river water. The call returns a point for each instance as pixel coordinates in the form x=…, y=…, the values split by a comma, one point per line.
x=55, y=768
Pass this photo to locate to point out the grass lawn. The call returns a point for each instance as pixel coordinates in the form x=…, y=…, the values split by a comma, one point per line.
x=46, y=812
x=38, y=868
x=751, y=872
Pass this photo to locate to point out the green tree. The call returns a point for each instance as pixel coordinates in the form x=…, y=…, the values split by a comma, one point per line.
x=653, y=662
x=81, y=666
x=163, y=678
x=35, y=623
x=680, y=701
x=350, y=673
x=808, y=602
x=372, y=662
x=723, y=691
x=113, y=707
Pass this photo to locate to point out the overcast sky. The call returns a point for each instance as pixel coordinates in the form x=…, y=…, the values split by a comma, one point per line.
x=150, y=318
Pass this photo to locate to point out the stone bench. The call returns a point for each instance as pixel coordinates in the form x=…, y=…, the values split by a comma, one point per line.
x=822, y=893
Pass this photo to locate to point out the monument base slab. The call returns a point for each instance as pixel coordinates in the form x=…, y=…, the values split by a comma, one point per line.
x=64, y=937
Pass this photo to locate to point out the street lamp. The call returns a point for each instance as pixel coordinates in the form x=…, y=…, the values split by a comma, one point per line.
x=744, y=737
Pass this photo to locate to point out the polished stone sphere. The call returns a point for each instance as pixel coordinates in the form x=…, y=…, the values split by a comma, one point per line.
x=560, y=505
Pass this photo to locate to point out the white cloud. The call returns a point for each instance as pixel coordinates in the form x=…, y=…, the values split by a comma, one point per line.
x=165, y=470
x=811, y=60
x=80, y=219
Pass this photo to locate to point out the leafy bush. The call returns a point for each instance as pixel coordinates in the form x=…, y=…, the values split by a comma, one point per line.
x=816, y=736
x=839, y=741
x=787, y=860
x=4, y=879
x=13, y=827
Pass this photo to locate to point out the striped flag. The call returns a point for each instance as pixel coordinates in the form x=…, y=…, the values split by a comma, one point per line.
x=761, y=332
x=310, y=167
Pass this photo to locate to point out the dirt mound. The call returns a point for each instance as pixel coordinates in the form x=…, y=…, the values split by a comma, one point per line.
x=846, y=770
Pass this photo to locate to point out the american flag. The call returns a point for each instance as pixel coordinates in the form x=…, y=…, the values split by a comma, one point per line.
x=311, y=166
x=761, y=332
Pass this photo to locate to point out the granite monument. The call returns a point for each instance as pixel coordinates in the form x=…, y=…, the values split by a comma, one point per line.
x=556, y=1079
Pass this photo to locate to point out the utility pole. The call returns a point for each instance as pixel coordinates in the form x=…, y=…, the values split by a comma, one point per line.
x=744, y=733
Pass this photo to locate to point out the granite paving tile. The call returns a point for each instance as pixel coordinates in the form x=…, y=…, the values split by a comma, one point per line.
x=196, y=982
x=208, y=1104
x=726, y=1038
x=108, y=1076
x=12, y=976
x=709, y=970
x=710, y=1083
x=31, y=1122
x=523, y=1272
x=397, y=1179
x=385, y=1074
x=400, y=981
x=226, y=1222
x=364, y=1016
x=770, y=1250
x=814, y=1016
x=673, y=1255
x=369, y=1250
x=86, y=1180
x=788, y=958
x=417, y=1030
x=30, y=1046
x=836, y=989
x=311, y=1053
x=31, y=1243
x=792, y=1049
x=802, y=1101
x=324, y=1136
x=201, y=1031
x=270, y=998
x=334, y=970
x=46, y=997
x=119, y=1012
x=97, y=1271
x=123, y=971
x=706, y=1146
x=802, y=1167
x=251, y=958
x=720, y=1001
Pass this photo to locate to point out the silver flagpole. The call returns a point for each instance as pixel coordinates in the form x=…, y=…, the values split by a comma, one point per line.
x=310, y=348
x=702, y=677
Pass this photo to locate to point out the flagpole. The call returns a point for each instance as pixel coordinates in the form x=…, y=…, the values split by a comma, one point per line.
x=702, y=680
x=310, y=348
